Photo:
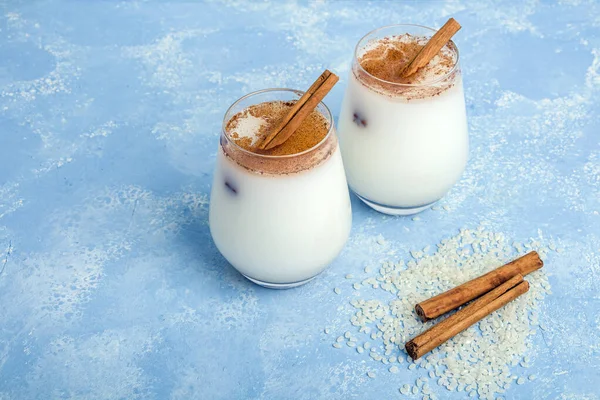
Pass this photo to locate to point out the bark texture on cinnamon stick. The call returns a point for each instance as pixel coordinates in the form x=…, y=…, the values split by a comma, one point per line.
x=456, y=297
x=299, y=111
x=431, y=48
x=466, y=317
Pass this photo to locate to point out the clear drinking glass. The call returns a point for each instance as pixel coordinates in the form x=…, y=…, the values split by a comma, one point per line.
x=279, y=220
x=404, y=145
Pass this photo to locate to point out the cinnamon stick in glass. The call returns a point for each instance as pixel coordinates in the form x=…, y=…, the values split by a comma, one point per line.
x=466, y=317
x=431, y=48
x=456, y=297
x=300, y=110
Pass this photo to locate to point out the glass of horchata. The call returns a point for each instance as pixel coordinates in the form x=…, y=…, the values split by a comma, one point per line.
x=278, y=216
x=404, y=140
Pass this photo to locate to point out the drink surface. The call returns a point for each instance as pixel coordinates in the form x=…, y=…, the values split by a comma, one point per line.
x=381, y=61
x=249, y=126
x=308, y=146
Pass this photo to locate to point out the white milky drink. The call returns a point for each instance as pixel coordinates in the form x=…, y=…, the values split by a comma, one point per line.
x=280, y=220
x=404, y=144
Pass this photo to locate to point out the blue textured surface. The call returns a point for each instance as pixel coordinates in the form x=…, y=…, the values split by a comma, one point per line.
x=109, y=121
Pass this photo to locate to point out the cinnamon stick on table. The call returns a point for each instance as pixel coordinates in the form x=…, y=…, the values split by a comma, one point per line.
x=466, y=317
x=454, y=298
x=433, y=46
x=299, y=111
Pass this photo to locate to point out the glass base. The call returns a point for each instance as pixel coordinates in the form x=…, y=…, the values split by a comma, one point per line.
x=270, y=285
x=393, y=210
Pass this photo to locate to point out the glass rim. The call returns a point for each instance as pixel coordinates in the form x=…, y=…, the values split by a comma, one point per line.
x=328, y=116
x=428, y=83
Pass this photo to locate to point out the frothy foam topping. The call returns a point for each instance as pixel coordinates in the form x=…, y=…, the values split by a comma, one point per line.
x=385, y=58
x=248, y=127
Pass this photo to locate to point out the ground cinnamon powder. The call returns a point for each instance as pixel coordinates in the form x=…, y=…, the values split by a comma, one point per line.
x=386, y=57
x=310, y=133
x=251, y=125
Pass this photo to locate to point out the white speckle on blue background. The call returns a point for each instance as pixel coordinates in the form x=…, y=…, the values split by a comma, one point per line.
x=110, y=115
